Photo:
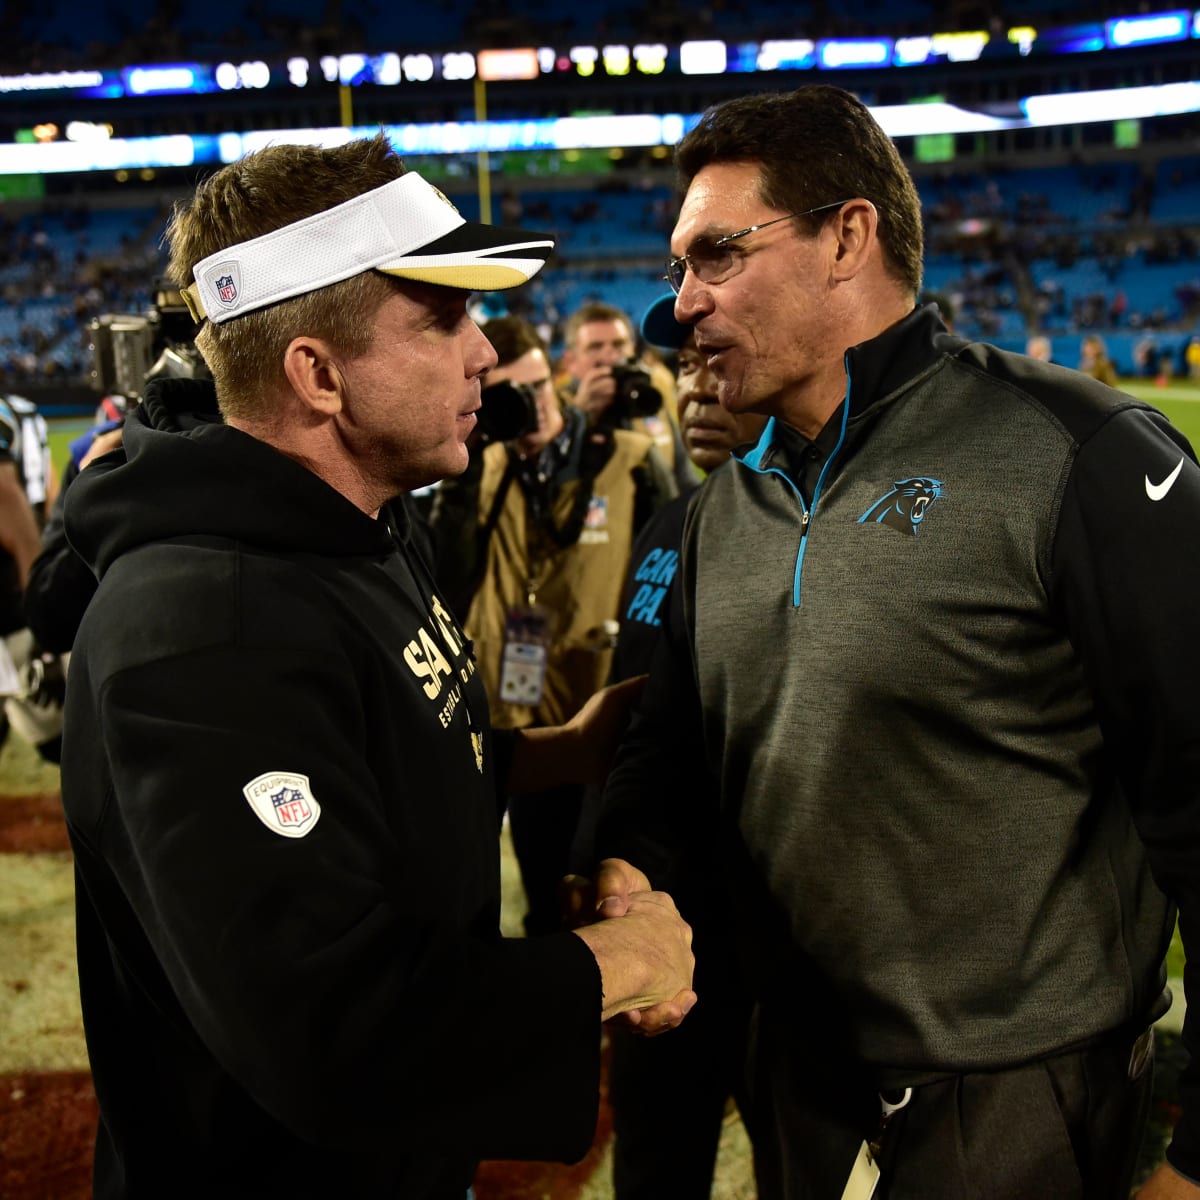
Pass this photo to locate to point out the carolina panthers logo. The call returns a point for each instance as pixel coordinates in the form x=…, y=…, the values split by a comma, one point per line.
x=905, y=506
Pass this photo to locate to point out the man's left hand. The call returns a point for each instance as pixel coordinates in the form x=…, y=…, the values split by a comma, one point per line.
x=599, y=724
x=1167, y=1184
x=608, y=897
x=582, y=750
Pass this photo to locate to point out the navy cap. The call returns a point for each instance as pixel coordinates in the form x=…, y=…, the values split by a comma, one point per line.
x=659, y=326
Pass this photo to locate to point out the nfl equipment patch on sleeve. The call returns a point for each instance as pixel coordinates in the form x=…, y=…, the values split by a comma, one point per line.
x=284, y=803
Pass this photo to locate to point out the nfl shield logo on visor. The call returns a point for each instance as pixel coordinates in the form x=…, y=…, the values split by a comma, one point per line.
x=227, y=283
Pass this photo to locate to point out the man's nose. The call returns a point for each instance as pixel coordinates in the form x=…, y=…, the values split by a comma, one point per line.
x=704, y=387
x=693, y=301
x=480, y=355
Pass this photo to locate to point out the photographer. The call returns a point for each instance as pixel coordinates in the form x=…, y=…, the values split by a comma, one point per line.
x=128, y=350
x=532, y=544
x=614, y=388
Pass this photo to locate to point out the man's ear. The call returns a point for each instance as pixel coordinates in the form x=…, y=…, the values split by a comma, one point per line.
x=856, y=229
x=314, y=375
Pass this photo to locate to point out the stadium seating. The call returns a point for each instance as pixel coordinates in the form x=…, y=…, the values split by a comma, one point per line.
x=1074, y=271
x=1108, y=246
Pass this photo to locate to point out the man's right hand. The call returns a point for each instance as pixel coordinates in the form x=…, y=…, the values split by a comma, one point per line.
x=597, y=390
x=645, y=959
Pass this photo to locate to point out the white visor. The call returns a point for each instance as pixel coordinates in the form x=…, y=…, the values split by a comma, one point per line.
x=406, y=228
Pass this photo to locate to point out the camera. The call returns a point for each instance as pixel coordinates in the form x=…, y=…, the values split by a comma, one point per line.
x=130, y=348
x=636, y=396
x=507, y=410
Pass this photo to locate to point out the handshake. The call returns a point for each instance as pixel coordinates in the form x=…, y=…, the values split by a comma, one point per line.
x=641, y=944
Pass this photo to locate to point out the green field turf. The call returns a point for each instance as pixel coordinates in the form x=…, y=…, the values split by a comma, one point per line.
x=63, y=432
x=1180, y=400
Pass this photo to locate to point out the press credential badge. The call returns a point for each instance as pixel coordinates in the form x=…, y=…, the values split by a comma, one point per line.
x=526, y=651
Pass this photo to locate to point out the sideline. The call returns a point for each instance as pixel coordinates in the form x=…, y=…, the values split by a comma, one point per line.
x=1143, y=389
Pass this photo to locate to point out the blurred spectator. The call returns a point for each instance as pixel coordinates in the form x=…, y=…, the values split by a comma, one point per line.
x=1039, y=346
x=1191, y=355
x=36, y=718
x=1094, y=360
x=1149, y=359
x=25, y=441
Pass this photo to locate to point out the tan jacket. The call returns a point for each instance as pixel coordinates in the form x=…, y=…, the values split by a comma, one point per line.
x=580, y=584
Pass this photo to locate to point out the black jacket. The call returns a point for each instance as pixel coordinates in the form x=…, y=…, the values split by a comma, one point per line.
x=941, y=668
x=277, y=775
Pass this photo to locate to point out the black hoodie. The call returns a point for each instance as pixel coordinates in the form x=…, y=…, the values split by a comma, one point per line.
x=277, y=774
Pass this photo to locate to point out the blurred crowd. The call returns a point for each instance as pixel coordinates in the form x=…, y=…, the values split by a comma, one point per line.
x=1013, y=264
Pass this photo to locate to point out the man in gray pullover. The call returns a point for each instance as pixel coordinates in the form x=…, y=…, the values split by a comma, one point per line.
x=934, y=661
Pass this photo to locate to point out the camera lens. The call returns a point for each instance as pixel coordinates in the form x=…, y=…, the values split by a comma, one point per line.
x=636, y=395
x=507, y=410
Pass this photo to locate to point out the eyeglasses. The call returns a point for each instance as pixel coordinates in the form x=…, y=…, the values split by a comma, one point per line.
x=712, y=260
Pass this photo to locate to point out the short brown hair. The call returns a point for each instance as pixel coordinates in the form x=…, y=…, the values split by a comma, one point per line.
x=597, y=310
x=512, y=337
x=816, y=145
x=256, y=195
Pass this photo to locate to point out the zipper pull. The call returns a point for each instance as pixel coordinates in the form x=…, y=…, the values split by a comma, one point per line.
x=804, y=522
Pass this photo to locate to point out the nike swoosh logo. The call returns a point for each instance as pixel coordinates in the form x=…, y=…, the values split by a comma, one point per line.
x=1156, y=491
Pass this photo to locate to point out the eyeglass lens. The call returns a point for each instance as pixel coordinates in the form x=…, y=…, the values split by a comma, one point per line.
x=708, y=260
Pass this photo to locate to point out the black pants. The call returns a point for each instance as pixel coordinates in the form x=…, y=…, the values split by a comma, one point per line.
x=543, y=828
x=669, y=1093
x=1064, y=1128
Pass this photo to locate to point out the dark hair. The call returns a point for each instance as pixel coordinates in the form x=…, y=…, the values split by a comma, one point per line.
x=512, y=337
x=816, y=145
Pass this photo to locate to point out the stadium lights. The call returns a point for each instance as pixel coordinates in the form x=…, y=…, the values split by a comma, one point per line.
x=231, y=77
x=149, y=81
x=53, y=81
x=584, y=58
x=651, y=58
x=459, y=64
x=597, y=132
x=702, y=57
x=1148, y=30
x=1113, y=104
x=835, y=54
x=1023, y=38
x=793, y=55
x=177, y=150
x=88, y=131
x=507, y=64
x=616, y=60
x=916, y=120
x=417, y=68
x=960, y=47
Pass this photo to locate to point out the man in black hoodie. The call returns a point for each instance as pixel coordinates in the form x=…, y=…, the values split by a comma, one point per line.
x=278, y=773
